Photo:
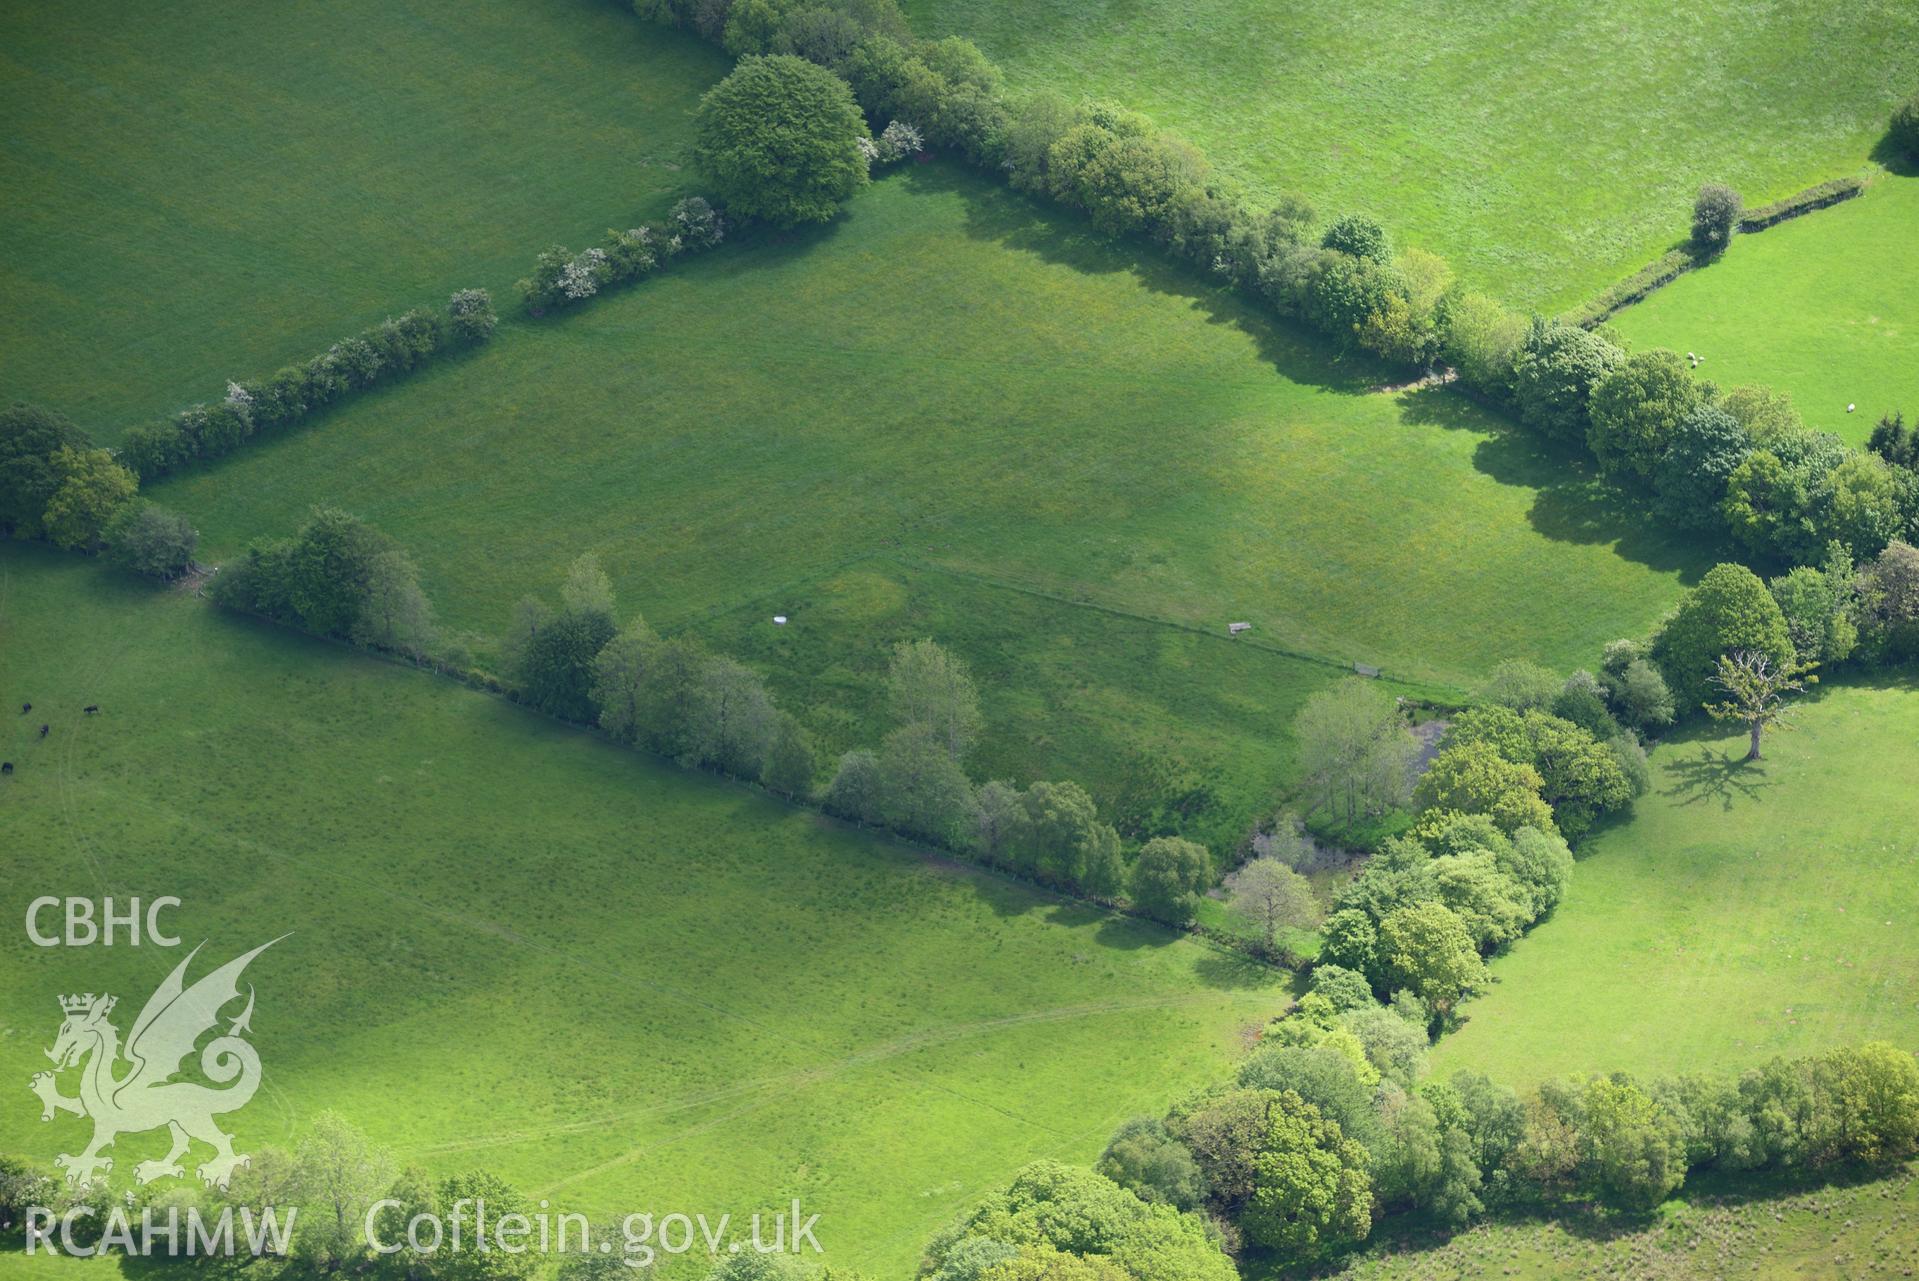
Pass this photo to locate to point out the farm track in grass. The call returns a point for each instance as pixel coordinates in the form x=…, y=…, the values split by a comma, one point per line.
x=1546, y=149
x=1746, y=910
x=952, y=375
x=1825, y=307
x=211, y=189
x=507, y=931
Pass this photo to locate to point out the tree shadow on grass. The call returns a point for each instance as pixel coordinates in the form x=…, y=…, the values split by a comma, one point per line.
x=1896, y=161
x=755, y=248
x=1014, y=221
x=1129, y=934
x=1571, y=504
x=1232, y=972
x=1711, y=775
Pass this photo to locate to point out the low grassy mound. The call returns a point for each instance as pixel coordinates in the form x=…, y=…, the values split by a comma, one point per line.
x=208, y=190
x=1546, y=149
x=1825, y=307
x=949, y=375
x=1746, y=910
x=518, y=948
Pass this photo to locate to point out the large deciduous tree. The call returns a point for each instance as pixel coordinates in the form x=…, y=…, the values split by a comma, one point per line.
x=1426, y=949
x=1702, y=452
x=926, y=685
x=1729, y=610
x=780, y=137
x=1272, y=895
x=1475, y=778
x=1354, y=749
x=1311, y=1191
x=1554, y=374
x=1755, y=693
x=340, y=1177
x=1168, y=877
x=1630, y=1151
x=923, y=790
x=1889, y=602
x=1637, y=407
x=29, y=438
x=146, y=538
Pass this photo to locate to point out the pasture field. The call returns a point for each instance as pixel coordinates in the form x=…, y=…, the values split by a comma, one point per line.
x=1822, y=1234
x=1174, y=729
x=1746, y=910
x=1546, y=149
x=1825, y=307
x=950, y=375
x=516, y=947
x=208, y=190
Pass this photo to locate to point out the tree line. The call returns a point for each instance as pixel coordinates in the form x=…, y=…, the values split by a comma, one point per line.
x=1332, y=1125
x=561, y=278
x=575, y=657
x=57, y=486
x=787, y=135
x=333, y=1177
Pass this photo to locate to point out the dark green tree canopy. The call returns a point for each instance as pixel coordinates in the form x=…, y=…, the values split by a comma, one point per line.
x=1715, y=216
x=29, y=437
x=1169, y=876
x=1703, y=451
x=1636, y=409
x=1360, y=236
x=1554, y=374
x=780, y=138
x=1730, y=609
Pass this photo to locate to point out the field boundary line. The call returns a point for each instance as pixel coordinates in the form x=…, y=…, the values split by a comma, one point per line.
x=1435, y=689
x=1679, y=262
x=1428, y=690
x=924, y=853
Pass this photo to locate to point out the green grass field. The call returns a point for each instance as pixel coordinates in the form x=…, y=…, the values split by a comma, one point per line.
x=1825, y=307
x=1173, y=728
x=1745, y=910
x=207, y=190
x=948, y=375
x=517, y=947
x=1546, y=149
x=1823, y=1234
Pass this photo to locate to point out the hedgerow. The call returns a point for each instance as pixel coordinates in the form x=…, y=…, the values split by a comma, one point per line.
x=388, y=351
x=1132, y=179
x=1819, y=196
x=562, y=278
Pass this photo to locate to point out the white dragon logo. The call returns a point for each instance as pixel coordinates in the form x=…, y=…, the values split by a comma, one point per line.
x=144, y=1098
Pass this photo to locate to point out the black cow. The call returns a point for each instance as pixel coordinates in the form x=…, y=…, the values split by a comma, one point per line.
x=44, y=729
x=91, y=708
x=6, y=767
